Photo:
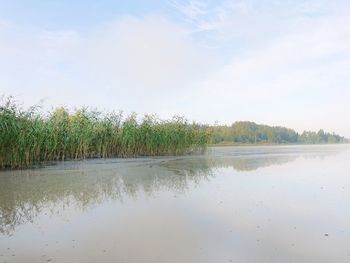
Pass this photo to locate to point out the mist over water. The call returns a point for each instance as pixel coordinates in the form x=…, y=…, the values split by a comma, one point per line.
x=232, y=204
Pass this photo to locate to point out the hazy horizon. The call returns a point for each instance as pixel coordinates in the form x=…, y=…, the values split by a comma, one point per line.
x=282, y=63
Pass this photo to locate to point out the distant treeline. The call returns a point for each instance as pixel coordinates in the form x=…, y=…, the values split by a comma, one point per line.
x=29, y=137
x=245, y=132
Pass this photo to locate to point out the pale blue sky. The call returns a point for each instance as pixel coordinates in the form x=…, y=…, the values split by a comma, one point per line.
x=275, y=62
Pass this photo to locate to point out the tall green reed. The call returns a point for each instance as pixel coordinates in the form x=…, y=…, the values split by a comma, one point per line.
x=29, y=137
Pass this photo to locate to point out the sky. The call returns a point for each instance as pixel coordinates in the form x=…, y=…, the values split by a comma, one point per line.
x=275, y=62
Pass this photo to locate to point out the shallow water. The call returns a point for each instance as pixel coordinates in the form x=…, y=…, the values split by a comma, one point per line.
x=241, y=204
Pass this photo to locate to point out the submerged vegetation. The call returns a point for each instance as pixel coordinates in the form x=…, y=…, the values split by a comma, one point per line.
x=245, y=132
x=29, y=137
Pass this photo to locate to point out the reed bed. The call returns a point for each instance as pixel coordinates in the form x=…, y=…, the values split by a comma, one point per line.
x=29, y=137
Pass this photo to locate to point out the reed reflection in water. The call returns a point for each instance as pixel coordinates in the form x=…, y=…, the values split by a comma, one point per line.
x=24, y=193
x=239, y=204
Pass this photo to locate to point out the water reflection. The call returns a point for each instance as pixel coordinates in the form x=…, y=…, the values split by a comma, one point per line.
x=241, y=164
x=25, y=194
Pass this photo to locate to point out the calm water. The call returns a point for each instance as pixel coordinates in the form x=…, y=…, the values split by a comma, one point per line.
x=242, y=204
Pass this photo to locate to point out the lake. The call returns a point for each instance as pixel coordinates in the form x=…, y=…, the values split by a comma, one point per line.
x=232, y=204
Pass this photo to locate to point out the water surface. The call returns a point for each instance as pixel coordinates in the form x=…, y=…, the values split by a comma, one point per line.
x=233, y=204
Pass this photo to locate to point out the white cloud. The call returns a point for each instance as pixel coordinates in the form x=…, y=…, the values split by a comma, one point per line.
x=299, y=80
x=140, y=64
x=149, y=54
x=291, y=72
